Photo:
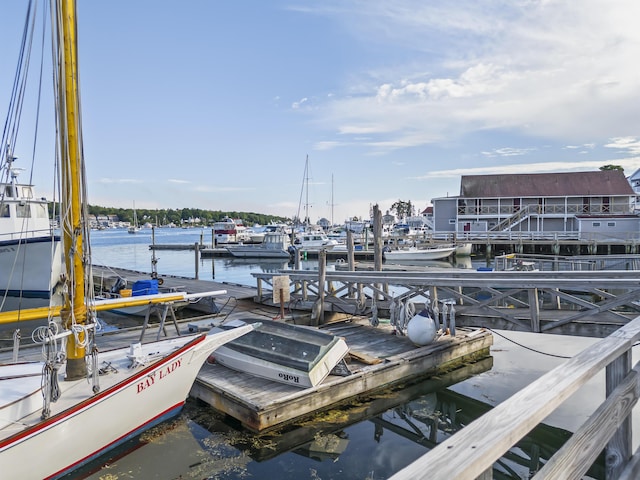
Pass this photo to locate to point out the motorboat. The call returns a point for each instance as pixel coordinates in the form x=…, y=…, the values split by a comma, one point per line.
x=30, y=250
x=315, y=241
x=273, y=245
x=415, y=253
x=281, y=352
x=229, y=230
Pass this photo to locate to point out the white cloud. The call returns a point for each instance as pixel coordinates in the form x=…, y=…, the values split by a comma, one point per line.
x=517, y=66
x=628, y=164
x=629, y=144
x=108, y=181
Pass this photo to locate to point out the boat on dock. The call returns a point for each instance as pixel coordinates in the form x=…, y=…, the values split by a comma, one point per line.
x=281, y=352
x=378, y=359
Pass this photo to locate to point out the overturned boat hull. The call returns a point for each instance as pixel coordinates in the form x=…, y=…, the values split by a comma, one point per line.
x=285, y=353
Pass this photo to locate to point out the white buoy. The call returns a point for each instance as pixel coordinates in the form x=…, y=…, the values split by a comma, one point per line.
x=421, y=329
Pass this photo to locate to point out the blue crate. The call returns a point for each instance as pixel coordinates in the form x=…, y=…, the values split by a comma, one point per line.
x=144, y=287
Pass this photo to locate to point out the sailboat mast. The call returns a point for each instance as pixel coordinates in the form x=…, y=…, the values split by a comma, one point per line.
x=72, y=170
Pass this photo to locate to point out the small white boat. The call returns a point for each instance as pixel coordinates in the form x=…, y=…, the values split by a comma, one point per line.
x=285, y=353
x=414, y=253
x=315, y=241
x=274, y=245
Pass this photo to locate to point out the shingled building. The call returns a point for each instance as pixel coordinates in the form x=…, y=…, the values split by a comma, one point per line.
x=598, y=203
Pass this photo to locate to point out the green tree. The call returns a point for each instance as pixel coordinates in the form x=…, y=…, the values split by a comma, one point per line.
x=402, y=209
x=612, y=167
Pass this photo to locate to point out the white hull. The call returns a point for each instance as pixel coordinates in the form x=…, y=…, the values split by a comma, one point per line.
x=463, y=249
x=30, y=270
x=419, y=254
x=271, y=353
x=130, y=401
x=257, y=251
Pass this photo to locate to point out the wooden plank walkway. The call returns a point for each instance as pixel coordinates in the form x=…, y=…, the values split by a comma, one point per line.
x=261, y=404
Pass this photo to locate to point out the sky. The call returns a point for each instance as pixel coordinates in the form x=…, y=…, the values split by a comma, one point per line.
x=217, y=104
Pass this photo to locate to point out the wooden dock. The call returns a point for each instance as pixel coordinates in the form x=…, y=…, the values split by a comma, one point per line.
x=177, y=283
x=378, y=360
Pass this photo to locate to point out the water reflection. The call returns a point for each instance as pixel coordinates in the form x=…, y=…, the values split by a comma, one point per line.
x=367, y=440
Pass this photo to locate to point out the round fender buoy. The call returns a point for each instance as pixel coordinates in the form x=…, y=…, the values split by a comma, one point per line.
x=421, y=329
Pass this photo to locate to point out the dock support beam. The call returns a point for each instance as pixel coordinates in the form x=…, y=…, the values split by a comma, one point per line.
x=618, y=450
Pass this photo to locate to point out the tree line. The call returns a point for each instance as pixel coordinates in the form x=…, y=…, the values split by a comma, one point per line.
x=180, y=216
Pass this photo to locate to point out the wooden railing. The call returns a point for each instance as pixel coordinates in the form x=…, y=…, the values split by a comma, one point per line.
x=544, y=209
x=471, y=452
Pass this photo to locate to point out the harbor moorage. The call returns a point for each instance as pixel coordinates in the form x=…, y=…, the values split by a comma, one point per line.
x=271, y=410
x=456, y=297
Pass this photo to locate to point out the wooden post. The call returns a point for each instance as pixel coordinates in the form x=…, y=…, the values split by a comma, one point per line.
x=322, y=275
x=350, y=259
x=197, y=260
x=534, y=309
x=377, y=238
x=377, y=245
x=282, y=303
x=618, y=450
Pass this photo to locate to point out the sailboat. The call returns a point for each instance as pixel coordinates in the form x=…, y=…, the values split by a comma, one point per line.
x=135, y=228
x=77, y=403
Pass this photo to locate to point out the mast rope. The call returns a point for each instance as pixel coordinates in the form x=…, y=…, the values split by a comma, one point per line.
x=54, y=359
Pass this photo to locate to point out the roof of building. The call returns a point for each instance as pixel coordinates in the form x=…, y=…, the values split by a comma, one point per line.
x=567, y=184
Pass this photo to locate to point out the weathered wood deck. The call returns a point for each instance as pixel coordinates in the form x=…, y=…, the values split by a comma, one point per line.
x=262, y=404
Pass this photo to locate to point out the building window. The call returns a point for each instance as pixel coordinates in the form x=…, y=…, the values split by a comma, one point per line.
x=611, y=224
x=596, y=224
x=452, y=221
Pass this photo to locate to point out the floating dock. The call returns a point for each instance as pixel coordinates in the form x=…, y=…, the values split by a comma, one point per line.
x=378, y=360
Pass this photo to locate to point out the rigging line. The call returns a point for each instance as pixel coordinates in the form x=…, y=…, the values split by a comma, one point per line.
x=528, y=348
x=39, y=99
x=304, y=175
x=17, y=79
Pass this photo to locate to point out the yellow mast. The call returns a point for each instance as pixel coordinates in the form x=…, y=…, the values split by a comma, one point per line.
x=72, y=171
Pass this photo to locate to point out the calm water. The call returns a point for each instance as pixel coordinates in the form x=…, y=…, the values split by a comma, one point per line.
x=371, y=440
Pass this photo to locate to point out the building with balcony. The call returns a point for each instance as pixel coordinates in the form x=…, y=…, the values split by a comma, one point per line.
x=573, y=203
